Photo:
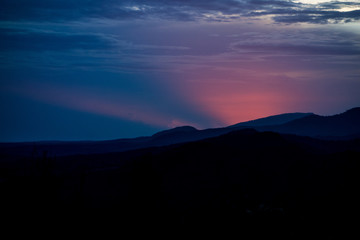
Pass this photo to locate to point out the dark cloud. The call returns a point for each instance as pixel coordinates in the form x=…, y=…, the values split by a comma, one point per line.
x=300, y=42
x=329, y=12
x=16, y=39
x=183, y=10
x=62, y=10
x=318, y=16
x=338, y=5
x=342, y=49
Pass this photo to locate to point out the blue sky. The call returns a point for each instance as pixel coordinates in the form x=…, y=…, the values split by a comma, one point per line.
x=73, y=70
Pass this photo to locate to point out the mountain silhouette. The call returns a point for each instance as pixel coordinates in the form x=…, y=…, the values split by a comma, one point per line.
x=338, y=127
x=174, y=131
x=264, y=177
x=272, y=120
x=236, y=179
x=163, y=138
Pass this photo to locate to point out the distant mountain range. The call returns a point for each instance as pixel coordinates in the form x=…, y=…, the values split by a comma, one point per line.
x=344, y=125
x=272, y=120
x=341, y=126
x=244, y=175
x=203, y=178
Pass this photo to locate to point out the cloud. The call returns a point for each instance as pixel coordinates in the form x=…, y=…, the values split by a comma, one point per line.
x=22, y=39
x=299, y=49
x=97, y=44
x=284, y=11
x=300, y=43
x=316, y=16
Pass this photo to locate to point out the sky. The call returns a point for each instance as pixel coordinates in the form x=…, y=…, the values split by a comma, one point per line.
x=96, y=70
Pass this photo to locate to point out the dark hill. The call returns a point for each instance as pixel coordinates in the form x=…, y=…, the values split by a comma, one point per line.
x=58, y=148
x=340, y=125
x=272, y=120
x=236, y=178
x=174, y=131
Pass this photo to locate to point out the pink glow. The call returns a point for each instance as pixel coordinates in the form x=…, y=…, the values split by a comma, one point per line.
x=231, y=107
x=238, y=96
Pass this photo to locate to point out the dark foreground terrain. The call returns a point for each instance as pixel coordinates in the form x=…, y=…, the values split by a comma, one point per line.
x=252, y=181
